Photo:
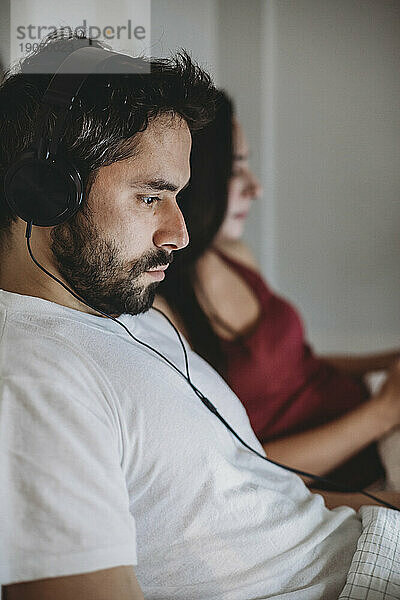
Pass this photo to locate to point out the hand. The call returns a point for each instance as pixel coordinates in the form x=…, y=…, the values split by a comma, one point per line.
x=389, y=396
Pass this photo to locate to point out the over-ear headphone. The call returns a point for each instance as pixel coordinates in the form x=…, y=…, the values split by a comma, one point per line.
x=43, y=187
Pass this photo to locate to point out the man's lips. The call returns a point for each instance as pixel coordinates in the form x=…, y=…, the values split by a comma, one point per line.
x=158, y=268
x=157, y=272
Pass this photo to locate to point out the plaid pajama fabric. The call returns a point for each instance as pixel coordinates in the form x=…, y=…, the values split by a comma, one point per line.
x=374, y=572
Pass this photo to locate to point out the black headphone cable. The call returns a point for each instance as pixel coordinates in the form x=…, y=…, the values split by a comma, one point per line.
x=338, y=486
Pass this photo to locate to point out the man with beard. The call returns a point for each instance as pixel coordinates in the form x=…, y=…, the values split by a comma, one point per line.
x=65, y=514
x=110, y=458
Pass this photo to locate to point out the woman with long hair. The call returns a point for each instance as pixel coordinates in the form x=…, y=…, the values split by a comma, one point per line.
x=309, y=412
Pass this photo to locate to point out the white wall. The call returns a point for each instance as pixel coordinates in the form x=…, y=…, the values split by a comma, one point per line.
x=4, y=35
x=188, y=24
x=336, y=176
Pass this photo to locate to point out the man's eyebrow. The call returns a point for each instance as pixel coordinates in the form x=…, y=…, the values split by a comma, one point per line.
x=158, y=185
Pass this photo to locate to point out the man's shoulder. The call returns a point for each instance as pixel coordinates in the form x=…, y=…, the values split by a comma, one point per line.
x=43, y=346
x=36, y=335
x=40, y=367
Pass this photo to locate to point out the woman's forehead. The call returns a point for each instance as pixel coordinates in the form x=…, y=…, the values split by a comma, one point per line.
x=240, y=146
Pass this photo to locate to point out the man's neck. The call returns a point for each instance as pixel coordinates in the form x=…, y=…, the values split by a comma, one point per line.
x=20, y=275
x=40, y=289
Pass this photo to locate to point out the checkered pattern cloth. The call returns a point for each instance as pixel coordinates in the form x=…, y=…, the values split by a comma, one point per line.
x=374, y=572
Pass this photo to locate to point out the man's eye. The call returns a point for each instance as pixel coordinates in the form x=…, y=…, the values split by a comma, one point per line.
x=149, y=200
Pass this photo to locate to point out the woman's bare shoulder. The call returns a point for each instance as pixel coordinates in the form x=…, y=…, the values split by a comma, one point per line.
x=161, y=304
x=240, y=252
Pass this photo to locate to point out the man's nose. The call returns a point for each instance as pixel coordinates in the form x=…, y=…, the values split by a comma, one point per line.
x=172, y=233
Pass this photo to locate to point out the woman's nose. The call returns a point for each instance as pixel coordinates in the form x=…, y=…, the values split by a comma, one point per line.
x=253, y=188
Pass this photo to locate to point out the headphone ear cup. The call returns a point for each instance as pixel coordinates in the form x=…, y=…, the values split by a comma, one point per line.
x=44, y=192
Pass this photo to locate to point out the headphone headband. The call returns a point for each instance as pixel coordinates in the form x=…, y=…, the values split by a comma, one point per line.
x=64, y=87
x=42, y=187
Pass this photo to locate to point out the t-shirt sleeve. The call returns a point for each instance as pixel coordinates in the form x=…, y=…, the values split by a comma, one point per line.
x=64, y=501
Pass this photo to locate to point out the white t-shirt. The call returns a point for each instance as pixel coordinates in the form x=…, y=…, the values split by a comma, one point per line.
x=109, y=458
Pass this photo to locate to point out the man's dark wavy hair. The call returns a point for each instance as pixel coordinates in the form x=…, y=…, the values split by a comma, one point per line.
x=110, y=108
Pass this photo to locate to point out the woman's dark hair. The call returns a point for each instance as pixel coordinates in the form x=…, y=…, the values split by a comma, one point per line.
x=110, y=108
x=203, y=204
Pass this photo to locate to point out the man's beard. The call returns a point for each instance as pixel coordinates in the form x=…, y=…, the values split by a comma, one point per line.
x=91, y=266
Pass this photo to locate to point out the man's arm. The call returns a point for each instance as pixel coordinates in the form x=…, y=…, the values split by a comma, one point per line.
x=66, y=503
x=119, y=583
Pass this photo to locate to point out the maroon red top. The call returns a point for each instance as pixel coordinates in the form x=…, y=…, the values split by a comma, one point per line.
x=284, y=387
